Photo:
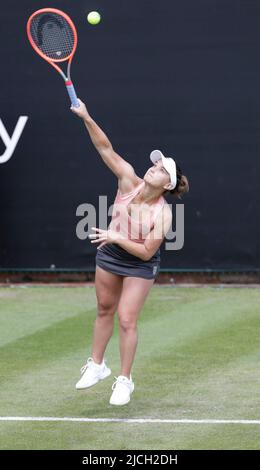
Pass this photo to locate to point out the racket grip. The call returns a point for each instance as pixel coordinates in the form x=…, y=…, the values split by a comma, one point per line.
x=72, y=94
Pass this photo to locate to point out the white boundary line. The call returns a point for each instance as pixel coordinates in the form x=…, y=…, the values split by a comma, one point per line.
x=129, y=420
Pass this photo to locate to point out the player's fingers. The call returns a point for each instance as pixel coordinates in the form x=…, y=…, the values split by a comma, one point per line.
x=98, y=229
x=77, y=109
x=104, y=243
x=98, y=240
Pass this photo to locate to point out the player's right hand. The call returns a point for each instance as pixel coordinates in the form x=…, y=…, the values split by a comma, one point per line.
x=81, y=110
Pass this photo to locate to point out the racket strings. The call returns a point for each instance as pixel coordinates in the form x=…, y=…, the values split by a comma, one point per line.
x=53, y=35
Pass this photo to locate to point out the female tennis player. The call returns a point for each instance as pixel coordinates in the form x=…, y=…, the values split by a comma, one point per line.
x=128, y=255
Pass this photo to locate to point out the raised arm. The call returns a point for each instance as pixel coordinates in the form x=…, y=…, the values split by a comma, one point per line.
x=120, y=167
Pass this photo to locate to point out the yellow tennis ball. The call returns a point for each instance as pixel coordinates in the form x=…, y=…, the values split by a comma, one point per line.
x=94, y=17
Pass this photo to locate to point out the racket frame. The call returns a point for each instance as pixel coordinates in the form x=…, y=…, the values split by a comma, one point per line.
x=67, y=79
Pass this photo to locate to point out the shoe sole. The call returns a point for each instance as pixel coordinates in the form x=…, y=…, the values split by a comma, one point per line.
x=107, y=374
x=119, y=404
x=125, y=402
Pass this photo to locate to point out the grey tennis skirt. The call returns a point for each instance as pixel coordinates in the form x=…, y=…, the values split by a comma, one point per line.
x=115, y=259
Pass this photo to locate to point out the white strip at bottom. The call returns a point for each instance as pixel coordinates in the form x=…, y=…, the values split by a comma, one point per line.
x=129, y=420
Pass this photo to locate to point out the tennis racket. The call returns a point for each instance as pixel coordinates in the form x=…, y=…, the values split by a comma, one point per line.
x=53, y=36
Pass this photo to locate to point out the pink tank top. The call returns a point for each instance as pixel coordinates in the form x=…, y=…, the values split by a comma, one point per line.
x=135, y=230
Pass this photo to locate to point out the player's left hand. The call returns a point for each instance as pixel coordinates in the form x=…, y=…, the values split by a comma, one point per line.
x=104, y=236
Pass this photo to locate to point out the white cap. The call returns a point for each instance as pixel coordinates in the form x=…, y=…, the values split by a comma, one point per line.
x=168, y=163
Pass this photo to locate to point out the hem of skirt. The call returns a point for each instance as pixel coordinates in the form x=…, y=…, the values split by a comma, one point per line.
x=124, y=275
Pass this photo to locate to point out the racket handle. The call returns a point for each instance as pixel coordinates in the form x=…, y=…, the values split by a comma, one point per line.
x=72, y=94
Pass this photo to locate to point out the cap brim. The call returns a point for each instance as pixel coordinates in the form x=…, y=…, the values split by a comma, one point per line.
x=156, y=155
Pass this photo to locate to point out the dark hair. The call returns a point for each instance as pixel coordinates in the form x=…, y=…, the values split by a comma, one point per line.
x=182, y=185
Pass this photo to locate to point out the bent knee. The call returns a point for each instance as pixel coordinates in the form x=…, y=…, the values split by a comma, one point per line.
x=105, y=309
x=127, y=323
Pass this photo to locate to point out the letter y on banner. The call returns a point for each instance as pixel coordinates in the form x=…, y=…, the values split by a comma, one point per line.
x=11, y=142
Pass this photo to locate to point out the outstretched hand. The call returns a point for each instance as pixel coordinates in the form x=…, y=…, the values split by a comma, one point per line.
x=104, y=236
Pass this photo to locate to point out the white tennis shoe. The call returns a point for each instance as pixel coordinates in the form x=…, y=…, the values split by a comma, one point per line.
x=92, y=373
x=122, y=389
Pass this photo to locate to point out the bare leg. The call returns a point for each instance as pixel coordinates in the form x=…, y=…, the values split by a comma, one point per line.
x=134, y=293
x=108, y=290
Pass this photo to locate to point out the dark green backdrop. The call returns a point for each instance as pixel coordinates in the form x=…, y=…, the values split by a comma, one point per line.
x=181, y=76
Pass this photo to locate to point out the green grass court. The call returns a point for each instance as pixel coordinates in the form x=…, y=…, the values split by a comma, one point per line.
x=198, y=358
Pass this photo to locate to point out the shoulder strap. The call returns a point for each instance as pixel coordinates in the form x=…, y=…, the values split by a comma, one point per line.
x=131, y=193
